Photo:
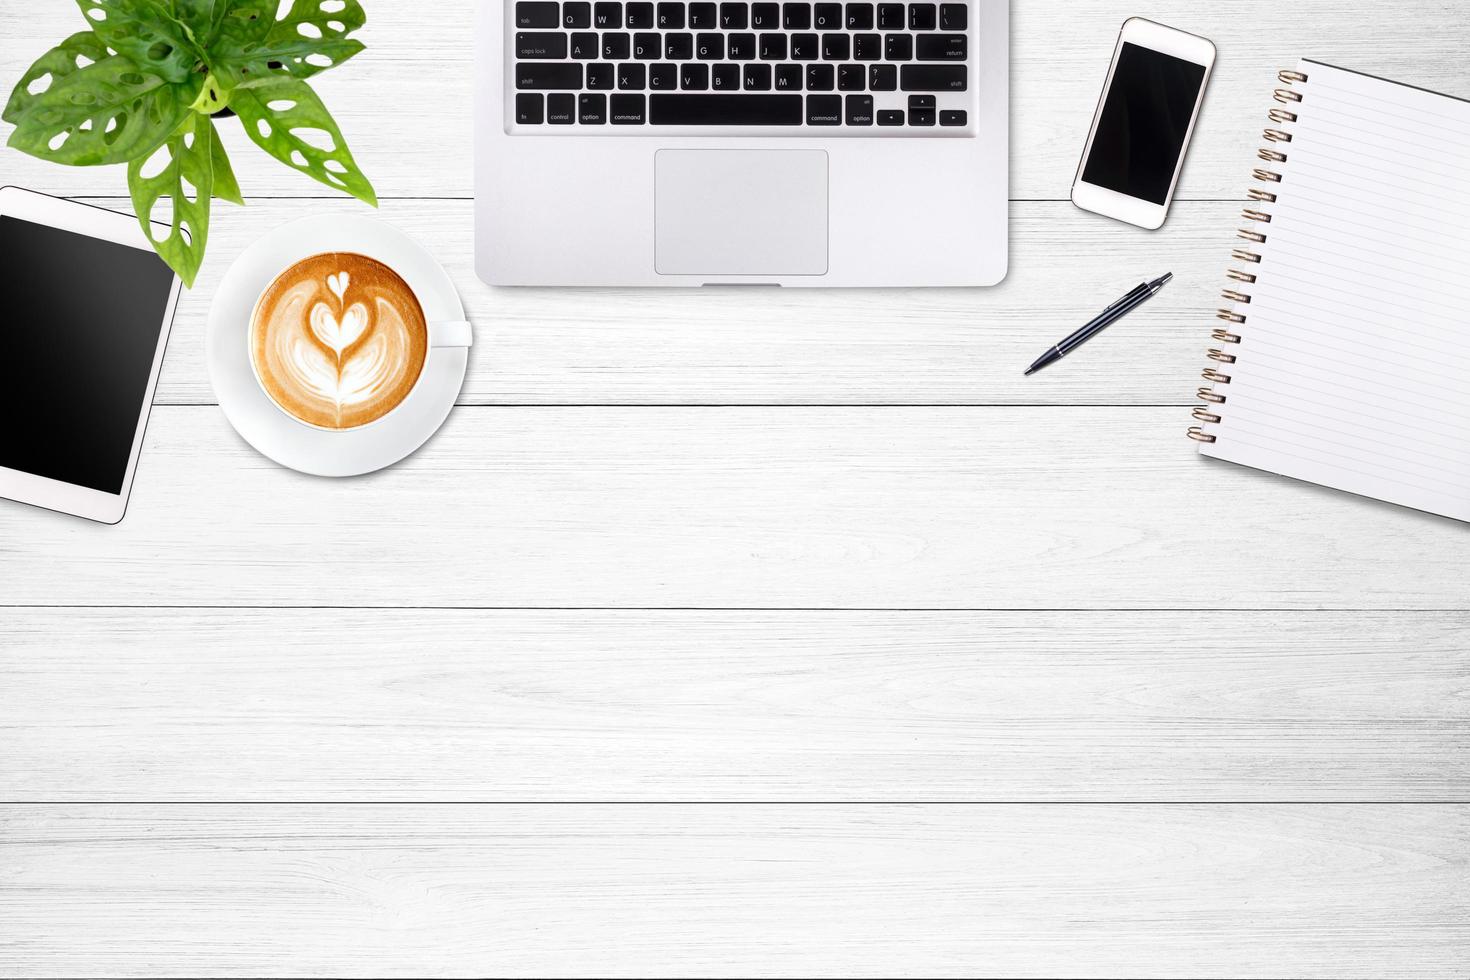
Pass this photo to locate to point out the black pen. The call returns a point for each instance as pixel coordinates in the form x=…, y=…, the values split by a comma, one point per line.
x=1105, y=319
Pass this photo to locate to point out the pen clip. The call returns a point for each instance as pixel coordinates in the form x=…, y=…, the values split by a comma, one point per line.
x=1126, y=297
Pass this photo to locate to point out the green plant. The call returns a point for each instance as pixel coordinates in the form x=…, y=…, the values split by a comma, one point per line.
x=142, y=86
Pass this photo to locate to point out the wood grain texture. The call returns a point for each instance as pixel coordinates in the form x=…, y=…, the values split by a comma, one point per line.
x=420, y=60
x=1038, y=503
x=435, y=705
x=742, y=346
x=827, y=891
x=998, y=508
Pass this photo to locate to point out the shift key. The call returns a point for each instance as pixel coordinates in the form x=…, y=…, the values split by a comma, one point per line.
x=932, y=78
x=533, y=75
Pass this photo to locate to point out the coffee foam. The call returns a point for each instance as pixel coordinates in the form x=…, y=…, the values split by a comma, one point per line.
x=338, y=340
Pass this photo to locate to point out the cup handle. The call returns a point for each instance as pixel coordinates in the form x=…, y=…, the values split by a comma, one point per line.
x=451, y=333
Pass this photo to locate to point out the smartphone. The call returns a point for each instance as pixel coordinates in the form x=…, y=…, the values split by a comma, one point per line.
x=1144, y=121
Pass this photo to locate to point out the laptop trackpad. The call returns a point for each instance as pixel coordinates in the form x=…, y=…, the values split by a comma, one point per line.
x=741, y=212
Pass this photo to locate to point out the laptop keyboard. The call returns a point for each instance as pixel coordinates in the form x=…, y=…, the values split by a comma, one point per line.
x=858, y=66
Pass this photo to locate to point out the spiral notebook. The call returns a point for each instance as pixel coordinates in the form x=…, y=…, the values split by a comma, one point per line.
x=1344, y=359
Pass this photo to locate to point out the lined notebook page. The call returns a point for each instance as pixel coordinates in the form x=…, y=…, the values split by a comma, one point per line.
x=1354, y=366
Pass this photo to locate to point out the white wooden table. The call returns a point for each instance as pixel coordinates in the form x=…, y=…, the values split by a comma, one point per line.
x=733, y=633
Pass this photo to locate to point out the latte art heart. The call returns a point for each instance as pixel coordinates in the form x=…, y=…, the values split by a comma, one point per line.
x=338, y=340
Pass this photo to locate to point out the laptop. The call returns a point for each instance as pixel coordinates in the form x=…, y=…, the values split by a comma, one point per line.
x=692, y=144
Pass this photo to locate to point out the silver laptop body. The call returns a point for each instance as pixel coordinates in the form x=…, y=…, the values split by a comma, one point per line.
x=687, y=144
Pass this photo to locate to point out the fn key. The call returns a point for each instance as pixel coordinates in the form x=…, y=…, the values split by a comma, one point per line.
x=530, y=110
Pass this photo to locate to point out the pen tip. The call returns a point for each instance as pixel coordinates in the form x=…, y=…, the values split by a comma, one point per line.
x=1030, y=371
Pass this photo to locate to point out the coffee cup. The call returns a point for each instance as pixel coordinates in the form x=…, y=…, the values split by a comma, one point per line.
x=339, y=341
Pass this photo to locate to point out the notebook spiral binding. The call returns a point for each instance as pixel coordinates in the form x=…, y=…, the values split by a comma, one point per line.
x=1276, y=136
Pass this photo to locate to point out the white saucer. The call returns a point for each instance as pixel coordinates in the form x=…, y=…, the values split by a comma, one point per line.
x=295, y=444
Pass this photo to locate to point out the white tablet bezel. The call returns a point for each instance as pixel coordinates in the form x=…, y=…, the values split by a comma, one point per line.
x=1165, y=40
x=109, y=226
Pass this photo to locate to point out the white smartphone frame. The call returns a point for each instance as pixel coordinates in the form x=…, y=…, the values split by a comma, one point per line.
x=1165, y=40
x=109, y=226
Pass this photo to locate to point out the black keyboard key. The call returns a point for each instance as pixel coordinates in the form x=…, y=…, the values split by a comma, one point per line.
x=805, y=47
x=663, y=78
x=538, y=15
x=867, y=47
x=836, y=47
x=544, y=76
x=788, y=78
x=851, y=78
x=607, y=16
x=551, y=46
x=953, y=117
x=921, y=117
x=694, y=77
x=709, y=47
x=646, y=47
x=725, y=78
x=824, y=110
x=742, y=47
x=953, y=17
x=678, y=47
x=942, y=47
x=891, y=17
x=819, y=78
x=704, y=16
x=530, y=110
x=725, y=110
x=921, y=102
x=898, y=47
x=627, y=110
x=860, y=17
x=584, y=47
x=933, y=78
x=828, y=17
x=765, y=16
x=561, y=108
x=616, y=47
x=601, y=77
x=796, y=16
x=757, y=78
x=882, y=78
x=734, y=16
x=640, y=16
x=592, y=109
x=632, y=76
x=922, y=18
x=773, y=47
x=575, y=15
x=860, y=110
x=890, y=117
x=671, y=16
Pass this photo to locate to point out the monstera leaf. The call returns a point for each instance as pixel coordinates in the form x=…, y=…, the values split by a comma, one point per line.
x=108, y=112
x=287, y=120
x=200, y=19
x=226, y=187
x=67, y=58
x=254, y=48
x=144, y=32
x=185, y=177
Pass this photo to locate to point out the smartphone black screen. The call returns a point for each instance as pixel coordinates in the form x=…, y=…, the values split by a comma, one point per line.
x=1144, y=122
x=79, y=335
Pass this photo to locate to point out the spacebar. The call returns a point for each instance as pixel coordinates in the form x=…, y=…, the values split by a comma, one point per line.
x=724, y=110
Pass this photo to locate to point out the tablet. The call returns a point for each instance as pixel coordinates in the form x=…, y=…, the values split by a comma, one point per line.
x=88, y=306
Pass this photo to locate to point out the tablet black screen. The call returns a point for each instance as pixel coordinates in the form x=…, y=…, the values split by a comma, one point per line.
x=79, y=325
